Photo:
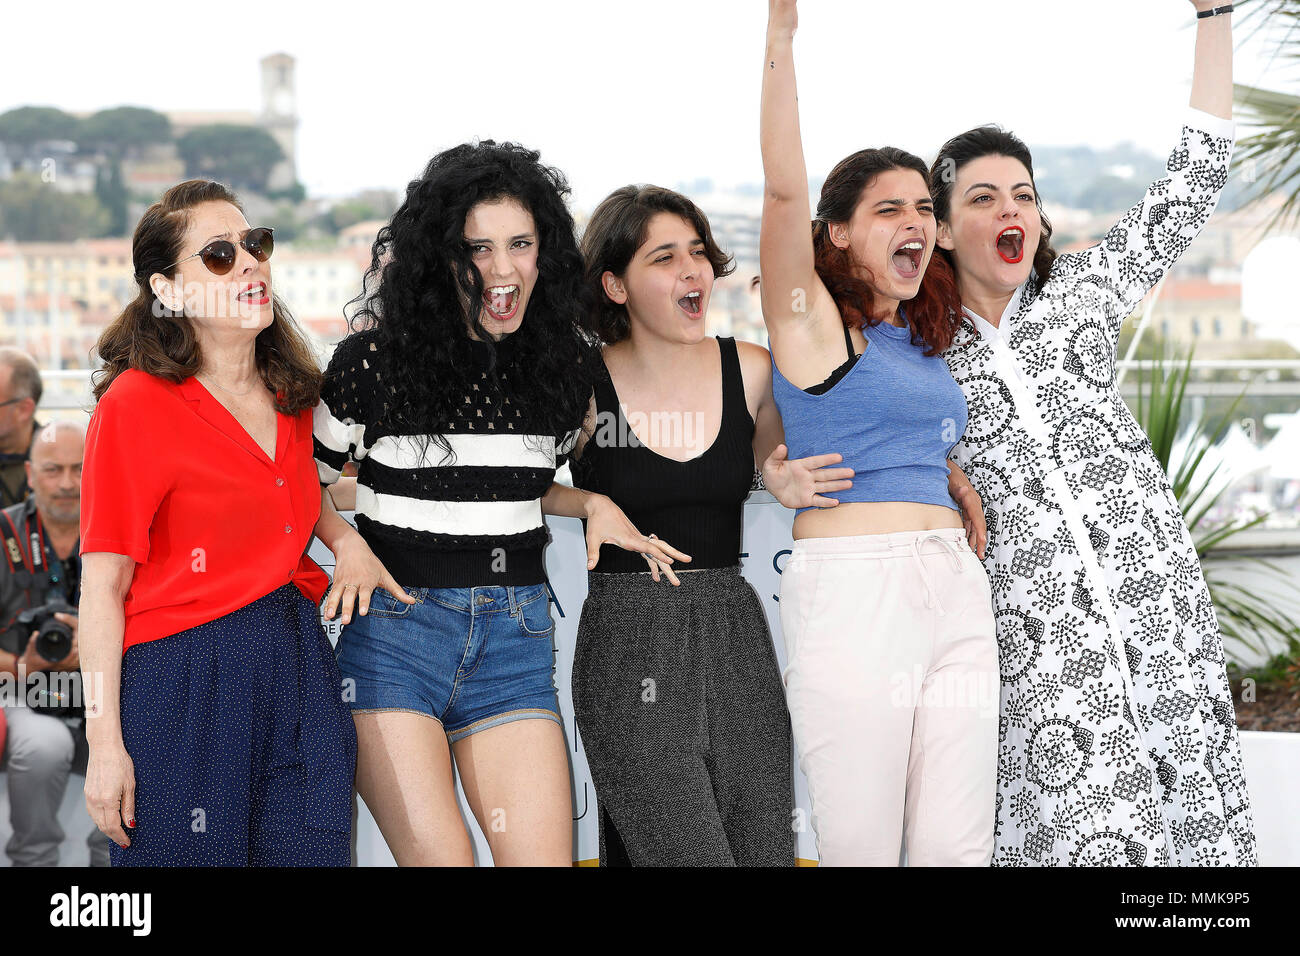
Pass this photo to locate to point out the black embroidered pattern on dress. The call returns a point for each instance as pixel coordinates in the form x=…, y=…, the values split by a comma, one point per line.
x=1118, y=745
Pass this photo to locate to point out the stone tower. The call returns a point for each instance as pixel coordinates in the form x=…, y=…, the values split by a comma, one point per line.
x=280, y=116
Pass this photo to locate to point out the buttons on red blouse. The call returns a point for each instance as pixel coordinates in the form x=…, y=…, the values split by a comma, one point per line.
x=195, y=477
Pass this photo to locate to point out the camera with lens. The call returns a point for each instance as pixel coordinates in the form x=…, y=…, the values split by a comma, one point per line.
x=53, y=637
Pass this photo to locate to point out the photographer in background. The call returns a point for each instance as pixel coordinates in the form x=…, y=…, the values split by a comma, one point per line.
x=20, y=393
x=40, y=576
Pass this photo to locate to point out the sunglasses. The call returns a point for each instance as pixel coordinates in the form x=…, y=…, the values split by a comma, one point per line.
x=219, y=255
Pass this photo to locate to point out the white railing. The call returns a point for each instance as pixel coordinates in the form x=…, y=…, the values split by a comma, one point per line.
x=67, y=393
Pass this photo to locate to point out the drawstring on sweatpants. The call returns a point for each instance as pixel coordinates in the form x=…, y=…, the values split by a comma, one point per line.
x=931, y=596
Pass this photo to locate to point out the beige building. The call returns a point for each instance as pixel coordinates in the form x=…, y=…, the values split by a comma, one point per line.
x=94, y=272
x=13, y=270
x=56, y=330
x=1193, y=310
x=317, y=284
x=361, y=235
x=153, y=171
x=56, y=297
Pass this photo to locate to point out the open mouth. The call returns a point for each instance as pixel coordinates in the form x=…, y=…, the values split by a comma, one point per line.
x=907, y=258
x=501, y=301
x=692, y=303
x=255, y=294
x=1011, y=244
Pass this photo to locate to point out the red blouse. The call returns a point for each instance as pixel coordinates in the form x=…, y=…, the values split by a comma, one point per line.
x=172, y=480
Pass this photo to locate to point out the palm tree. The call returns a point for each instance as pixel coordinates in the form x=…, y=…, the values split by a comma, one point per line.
x=1270, y=157
x=1249, y=621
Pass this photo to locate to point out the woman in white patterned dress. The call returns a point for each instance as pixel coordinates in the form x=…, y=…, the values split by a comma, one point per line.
x=1118, y=744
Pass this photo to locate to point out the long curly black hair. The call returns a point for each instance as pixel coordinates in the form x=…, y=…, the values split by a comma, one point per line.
x=421, y=279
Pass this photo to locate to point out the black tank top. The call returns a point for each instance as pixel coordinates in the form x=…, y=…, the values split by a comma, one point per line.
x=696, y=505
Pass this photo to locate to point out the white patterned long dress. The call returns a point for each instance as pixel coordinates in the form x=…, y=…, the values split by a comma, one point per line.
x=1118, y=743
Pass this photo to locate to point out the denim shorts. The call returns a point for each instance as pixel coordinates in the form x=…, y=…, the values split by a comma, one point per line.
x=471, y=658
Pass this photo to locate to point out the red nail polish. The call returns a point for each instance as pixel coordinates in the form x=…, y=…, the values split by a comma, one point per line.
x=131, y=824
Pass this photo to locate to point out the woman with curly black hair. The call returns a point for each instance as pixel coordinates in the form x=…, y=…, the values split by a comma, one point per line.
x=458, y=412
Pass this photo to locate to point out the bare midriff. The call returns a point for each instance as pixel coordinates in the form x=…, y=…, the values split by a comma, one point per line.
x=874, y=517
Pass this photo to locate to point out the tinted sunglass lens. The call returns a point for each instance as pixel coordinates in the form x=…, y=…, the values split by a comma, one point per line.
x=219, y=257
x=260, y=243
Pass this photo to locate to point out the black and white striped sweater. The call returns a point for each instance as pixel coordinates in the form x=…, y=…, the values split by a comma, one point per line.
x=475, y=520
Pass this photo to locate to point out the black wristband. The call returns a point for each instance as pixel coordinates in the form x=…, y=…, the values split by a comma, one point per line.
x=1206, y=14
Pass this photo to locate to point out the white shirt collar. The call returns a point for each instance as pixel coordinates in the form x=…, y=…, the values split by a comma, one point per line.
x=1003, y=328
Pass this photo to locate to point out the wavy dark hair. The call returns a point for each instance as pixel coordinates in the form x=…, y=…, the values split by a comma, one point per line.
x=152, y=338
x=421, y=279
x=932, y=314
x=616, y=230
x=981, y=141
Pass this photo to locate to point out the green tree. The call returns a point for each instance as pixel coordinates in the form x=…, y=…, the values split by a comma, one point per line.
x=1107, y=193
x=1271, y=156
x=111, y=191
x=122, y=129
x=29, y=125
x=348, y=213
x=33, y=211
x=1247, y=619
x=117, y=133
x=241, y=156
x=293, y=194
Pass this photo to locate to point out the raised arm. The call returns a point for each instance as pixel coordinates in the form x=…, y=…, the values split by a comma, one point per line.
x=1212, y=74
x=1149, y=238
x=785, y=248
x=795, y=482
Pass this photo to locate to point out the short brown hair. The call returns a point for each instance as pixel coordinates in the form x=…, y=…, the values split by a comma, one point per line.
x=617, y=229
x=26, y=380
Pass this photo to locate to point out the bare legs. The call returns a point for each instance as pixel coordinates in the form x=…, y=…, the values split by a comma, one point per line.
x=515, y=776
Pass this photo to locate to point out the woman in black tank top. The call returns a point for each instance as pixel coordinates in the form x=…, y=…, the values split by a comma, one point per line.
x=676, y=690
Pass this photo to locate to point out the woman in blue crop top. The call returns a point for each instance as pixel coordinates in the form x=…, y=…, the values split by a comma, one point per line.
x=676, y=690
x=891, y=661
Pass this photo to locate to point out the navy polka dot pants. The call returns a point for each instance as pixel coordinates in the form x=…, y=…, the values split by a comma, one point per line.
x=244, y=751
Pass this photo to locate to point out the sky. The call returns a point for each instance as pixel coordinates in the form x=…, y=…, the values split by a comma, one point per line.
x=619, y=91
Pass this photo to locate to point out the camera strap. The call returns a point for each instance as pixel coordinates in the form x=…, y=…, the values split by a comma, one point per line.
x=30, y=565
x=56, y=573
x=17, y=556
x=20, y=564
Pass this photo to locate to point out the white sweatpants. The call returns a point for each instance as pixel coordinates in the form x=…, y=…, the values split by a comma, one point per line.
x=893, y=688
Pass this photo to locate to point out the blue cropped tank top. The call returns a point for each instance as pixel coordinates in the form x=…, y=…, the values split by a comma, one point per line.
x=894, y=416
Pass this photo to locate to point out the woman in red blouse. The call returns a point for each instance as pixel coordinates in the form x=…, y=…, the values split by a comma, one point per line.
x=218, y=734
